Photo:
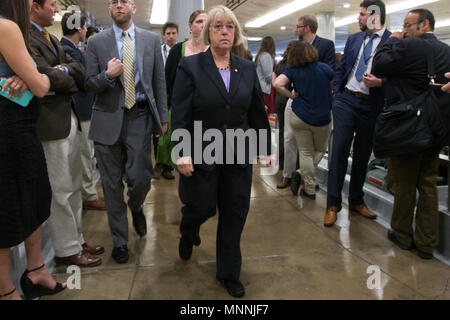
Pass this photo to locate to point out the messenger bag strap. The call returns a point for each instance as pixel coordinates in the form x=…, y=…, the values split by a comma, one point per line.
x=431, y=69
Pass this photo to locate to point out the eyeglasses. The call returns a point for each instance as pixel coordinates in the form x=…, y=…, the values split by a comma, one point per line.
x=407, y=25
x=218, y=27
x=124, y=2
x=298, y=27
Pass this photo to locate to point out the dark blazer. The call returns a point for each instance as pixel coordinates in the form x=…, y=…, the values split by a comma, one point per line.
x=83, y=99
x=55, y=117
x=404, y=63
x=200, y=95
x=348, y=60
x=327, y=51
x=171, y=67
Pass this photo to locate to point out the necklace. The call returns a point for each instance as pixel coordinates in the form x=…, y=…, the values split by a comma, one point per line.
x=226, y=68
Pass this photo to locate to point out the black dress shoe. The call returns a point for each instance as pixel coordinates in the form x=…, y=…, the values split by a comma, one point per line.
x=139, y=223
x=234, y=287
x=424, y=255
x=185, y=248
x=167, y=174
x=120, y=254
x=310, y=196
x=393, y=238
x=295, y=183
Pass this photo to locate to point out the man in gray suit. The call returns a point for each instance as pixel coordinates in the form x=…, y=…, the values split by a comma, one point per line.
x=126, y=71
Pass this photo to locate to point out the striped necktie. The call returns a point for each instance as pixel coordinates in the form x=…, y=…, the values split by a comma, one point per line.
x=365, y=58
x=47, y=35
x=128, y=62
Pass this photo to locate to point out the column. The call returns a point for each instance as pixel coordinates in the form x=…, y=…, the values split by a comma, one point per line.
x=326, y=25
x=179, y=12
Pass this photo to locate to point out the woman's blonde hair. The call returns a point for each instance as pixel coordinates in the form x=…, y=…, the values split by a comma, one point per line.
x=223, y=11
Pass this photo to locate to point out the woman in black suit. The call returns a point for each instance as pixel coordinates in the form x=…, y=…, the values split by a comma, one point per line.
x=221, y=91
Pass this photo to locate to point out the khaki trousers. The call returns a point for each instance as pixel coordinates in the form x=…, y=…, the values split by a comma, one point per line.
x=312, y=144
x=64, y=172
x=409, y=173
x=290, y=145
x=89, y=182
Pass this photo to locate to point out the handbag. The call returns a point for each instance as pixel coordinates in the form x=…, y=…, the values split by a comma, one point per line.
x=412, y=125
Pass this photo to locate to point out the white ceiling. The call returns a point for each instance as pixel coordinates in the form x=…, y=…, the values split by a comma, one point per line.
x=250, y=9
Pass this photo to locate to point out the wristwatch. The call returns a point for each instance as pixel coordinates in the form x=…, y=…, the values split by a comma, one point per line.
x=61, y=68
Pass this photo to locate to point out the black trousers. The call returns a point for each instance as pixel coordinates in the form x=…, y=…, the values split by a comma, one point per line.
x=227, y=188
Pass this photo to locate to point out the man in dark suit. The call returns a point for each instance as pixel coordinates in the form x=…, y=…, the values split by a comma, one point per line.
x=307, y=26
x=126, y=72
x=58, y=128
x=306, y=30
x=358, y=101
x=404, y=63
x=83, y=104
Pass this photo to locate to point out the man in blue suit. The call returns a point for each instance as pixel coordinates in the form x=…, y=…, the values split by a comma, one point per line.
x=358, y=101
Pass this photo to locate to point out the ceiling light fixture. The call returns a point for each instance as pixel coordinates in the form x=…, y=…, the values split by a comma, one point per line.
x=283, y=28
x=281, y=12
x=389, y=9
x=160, y=12
x=254, y=38
x=347, y=5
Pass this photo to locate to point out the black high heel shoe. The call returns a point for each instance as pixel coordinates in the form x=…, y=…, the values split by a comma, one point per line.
x=32, y=291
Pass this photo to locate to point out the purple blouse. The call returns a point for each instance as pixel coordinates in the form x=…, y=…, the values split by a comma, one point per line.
x=226, y=78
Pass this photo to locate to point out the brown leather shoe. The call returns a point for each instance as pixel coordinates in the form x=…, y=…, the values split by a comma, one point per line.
x=331, y=216
x=284, y=183
x=93, y=250
x=363, y=210
x=97, y=204
x=81, y=259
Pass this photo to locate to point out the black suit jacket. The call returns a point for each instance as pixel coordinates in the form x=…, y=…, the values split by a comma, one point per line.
x=83, y=99
x=404, y=63
x=199, y=94
x=327, y=51
x=54, y=119
x=171, y=67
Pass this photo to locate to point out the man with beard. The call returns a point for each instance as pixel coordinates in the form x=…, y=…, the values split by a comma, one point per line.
x=307, y=26
x=125, y=70
x=358, y=101
x=306, y=30
x=404, y=62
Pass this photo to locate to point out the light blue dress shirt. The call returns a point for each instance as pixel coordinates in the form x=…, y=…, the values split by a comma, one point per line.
x=118, y=32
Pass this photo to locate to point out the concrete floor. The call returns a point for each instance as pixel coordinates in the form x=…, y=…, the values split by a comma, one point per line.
x=287, y=254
